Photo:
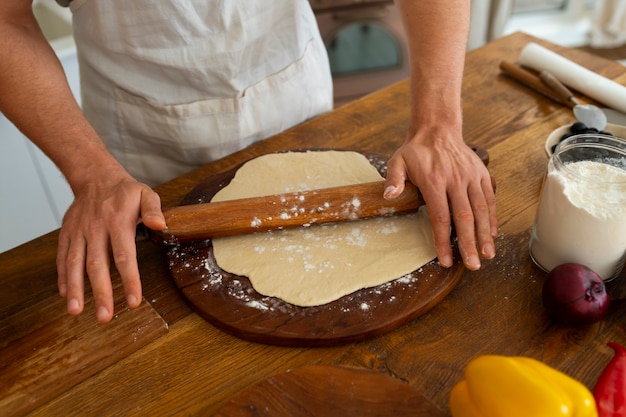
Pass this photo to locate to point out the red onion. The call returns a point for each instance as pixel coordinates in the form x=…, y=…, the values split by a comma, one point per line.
x=575, y=295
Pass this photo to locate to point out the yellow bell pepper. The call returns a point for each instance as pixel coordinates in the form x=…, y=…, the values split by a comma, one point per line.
x=502, y=386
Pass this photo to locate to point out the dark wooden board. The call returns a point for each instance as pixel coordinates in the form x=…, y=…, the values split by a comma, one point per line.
x=321, y=391
x=230, y=302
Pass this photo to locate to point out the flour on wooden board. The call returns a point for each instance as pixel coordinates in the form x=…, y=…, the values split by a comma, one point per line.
x=317, y=265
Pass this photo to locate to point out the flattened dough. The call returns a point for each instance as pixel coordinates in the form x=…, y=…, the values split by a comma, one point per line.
x=320, y=264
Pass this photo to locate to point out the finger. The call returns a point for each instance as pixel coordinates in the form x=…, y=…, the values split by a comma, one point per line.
x=97, y=267
x=396, y=177
x=62, y=252
x=465, y=229
x=74, y=267
x=482, y=220
x=125, y=258
x=490, y=196
x=439, y=213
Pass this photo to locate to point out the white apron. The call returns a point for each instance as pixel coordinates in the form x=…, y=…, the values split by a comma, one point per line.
x=171, y=85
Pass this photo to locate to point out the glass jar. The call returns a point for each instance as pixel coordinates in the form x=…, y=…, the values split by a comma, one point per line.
x=581, y=216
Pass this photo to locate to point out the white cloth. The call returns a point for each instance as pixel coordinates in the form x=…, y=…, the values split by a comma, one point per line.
x=573, y=75
x=172, y=85
x=608, y=29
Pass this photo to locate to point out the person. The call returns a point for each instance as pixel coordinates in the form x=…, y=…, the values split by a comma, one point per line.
x=168, y=86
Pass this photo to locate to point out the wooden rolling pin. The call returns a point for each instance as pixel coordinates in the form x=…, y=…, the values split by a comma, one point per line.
x=533, y=81
x=281, y=211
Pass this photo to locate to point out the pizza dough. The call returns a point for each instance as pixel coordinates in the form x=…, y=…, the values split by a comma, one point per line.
x=315, y=265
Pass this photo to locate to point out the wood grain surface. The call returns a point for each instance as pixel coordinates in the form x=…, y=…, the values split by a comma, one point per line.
x=195, y=369
x=231, y=303
x=44, y=351
x=323, y=391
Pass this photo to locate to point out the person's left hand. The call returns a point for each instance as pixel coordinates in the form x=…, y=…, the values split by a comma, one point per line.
x=456, y=187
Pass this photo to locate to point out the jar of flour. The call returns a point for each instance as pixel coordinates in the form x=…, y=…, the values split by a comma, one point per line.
x=582, y=211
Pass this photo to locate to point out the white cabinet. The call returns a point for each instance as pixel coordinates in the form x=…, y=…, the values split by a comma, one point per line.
x=34, y=194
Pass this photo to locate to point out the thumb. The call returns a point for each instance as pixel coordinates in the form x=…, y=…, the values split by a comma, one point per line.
x=396, y=177
x=151, y=213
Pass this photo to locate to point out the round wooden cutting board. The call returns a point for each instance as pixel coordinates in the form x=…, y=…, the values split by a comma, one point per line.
x=321, y=391
x=230, y=302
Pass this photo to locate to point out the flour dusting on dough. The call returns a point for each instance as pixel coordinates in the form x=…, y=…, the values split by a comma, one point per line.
x=319, y=264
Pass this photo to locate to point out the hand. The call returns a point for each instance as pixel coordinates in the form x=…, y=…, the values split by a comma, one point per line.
x=454, y=182
x=103, y=216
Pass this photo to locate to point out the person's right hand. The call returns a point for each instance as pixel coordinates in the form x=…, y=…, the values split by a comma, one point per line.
x=102, y=222
x=456, y=187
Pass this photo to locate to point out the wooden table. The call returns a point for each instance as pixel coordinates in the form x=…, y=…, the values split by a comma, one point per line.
x=162, y=359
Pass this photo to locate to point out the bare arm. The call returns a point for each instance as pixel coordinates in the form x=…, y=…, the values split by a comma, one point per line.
x=108, y=201
x=455, y=184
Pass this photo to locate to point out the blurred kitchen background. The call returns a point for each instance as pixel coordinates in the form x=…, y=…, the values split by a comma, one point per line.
x=367, y=49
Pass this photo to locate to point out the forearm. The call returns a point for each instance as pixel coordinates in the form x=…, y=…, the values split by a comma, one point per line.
x=37, y=99
x=437, y=31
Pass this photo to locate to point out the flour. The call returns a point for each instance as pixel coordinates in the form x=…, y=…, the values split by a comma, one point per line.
x=602, y=201
x=582, y=218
